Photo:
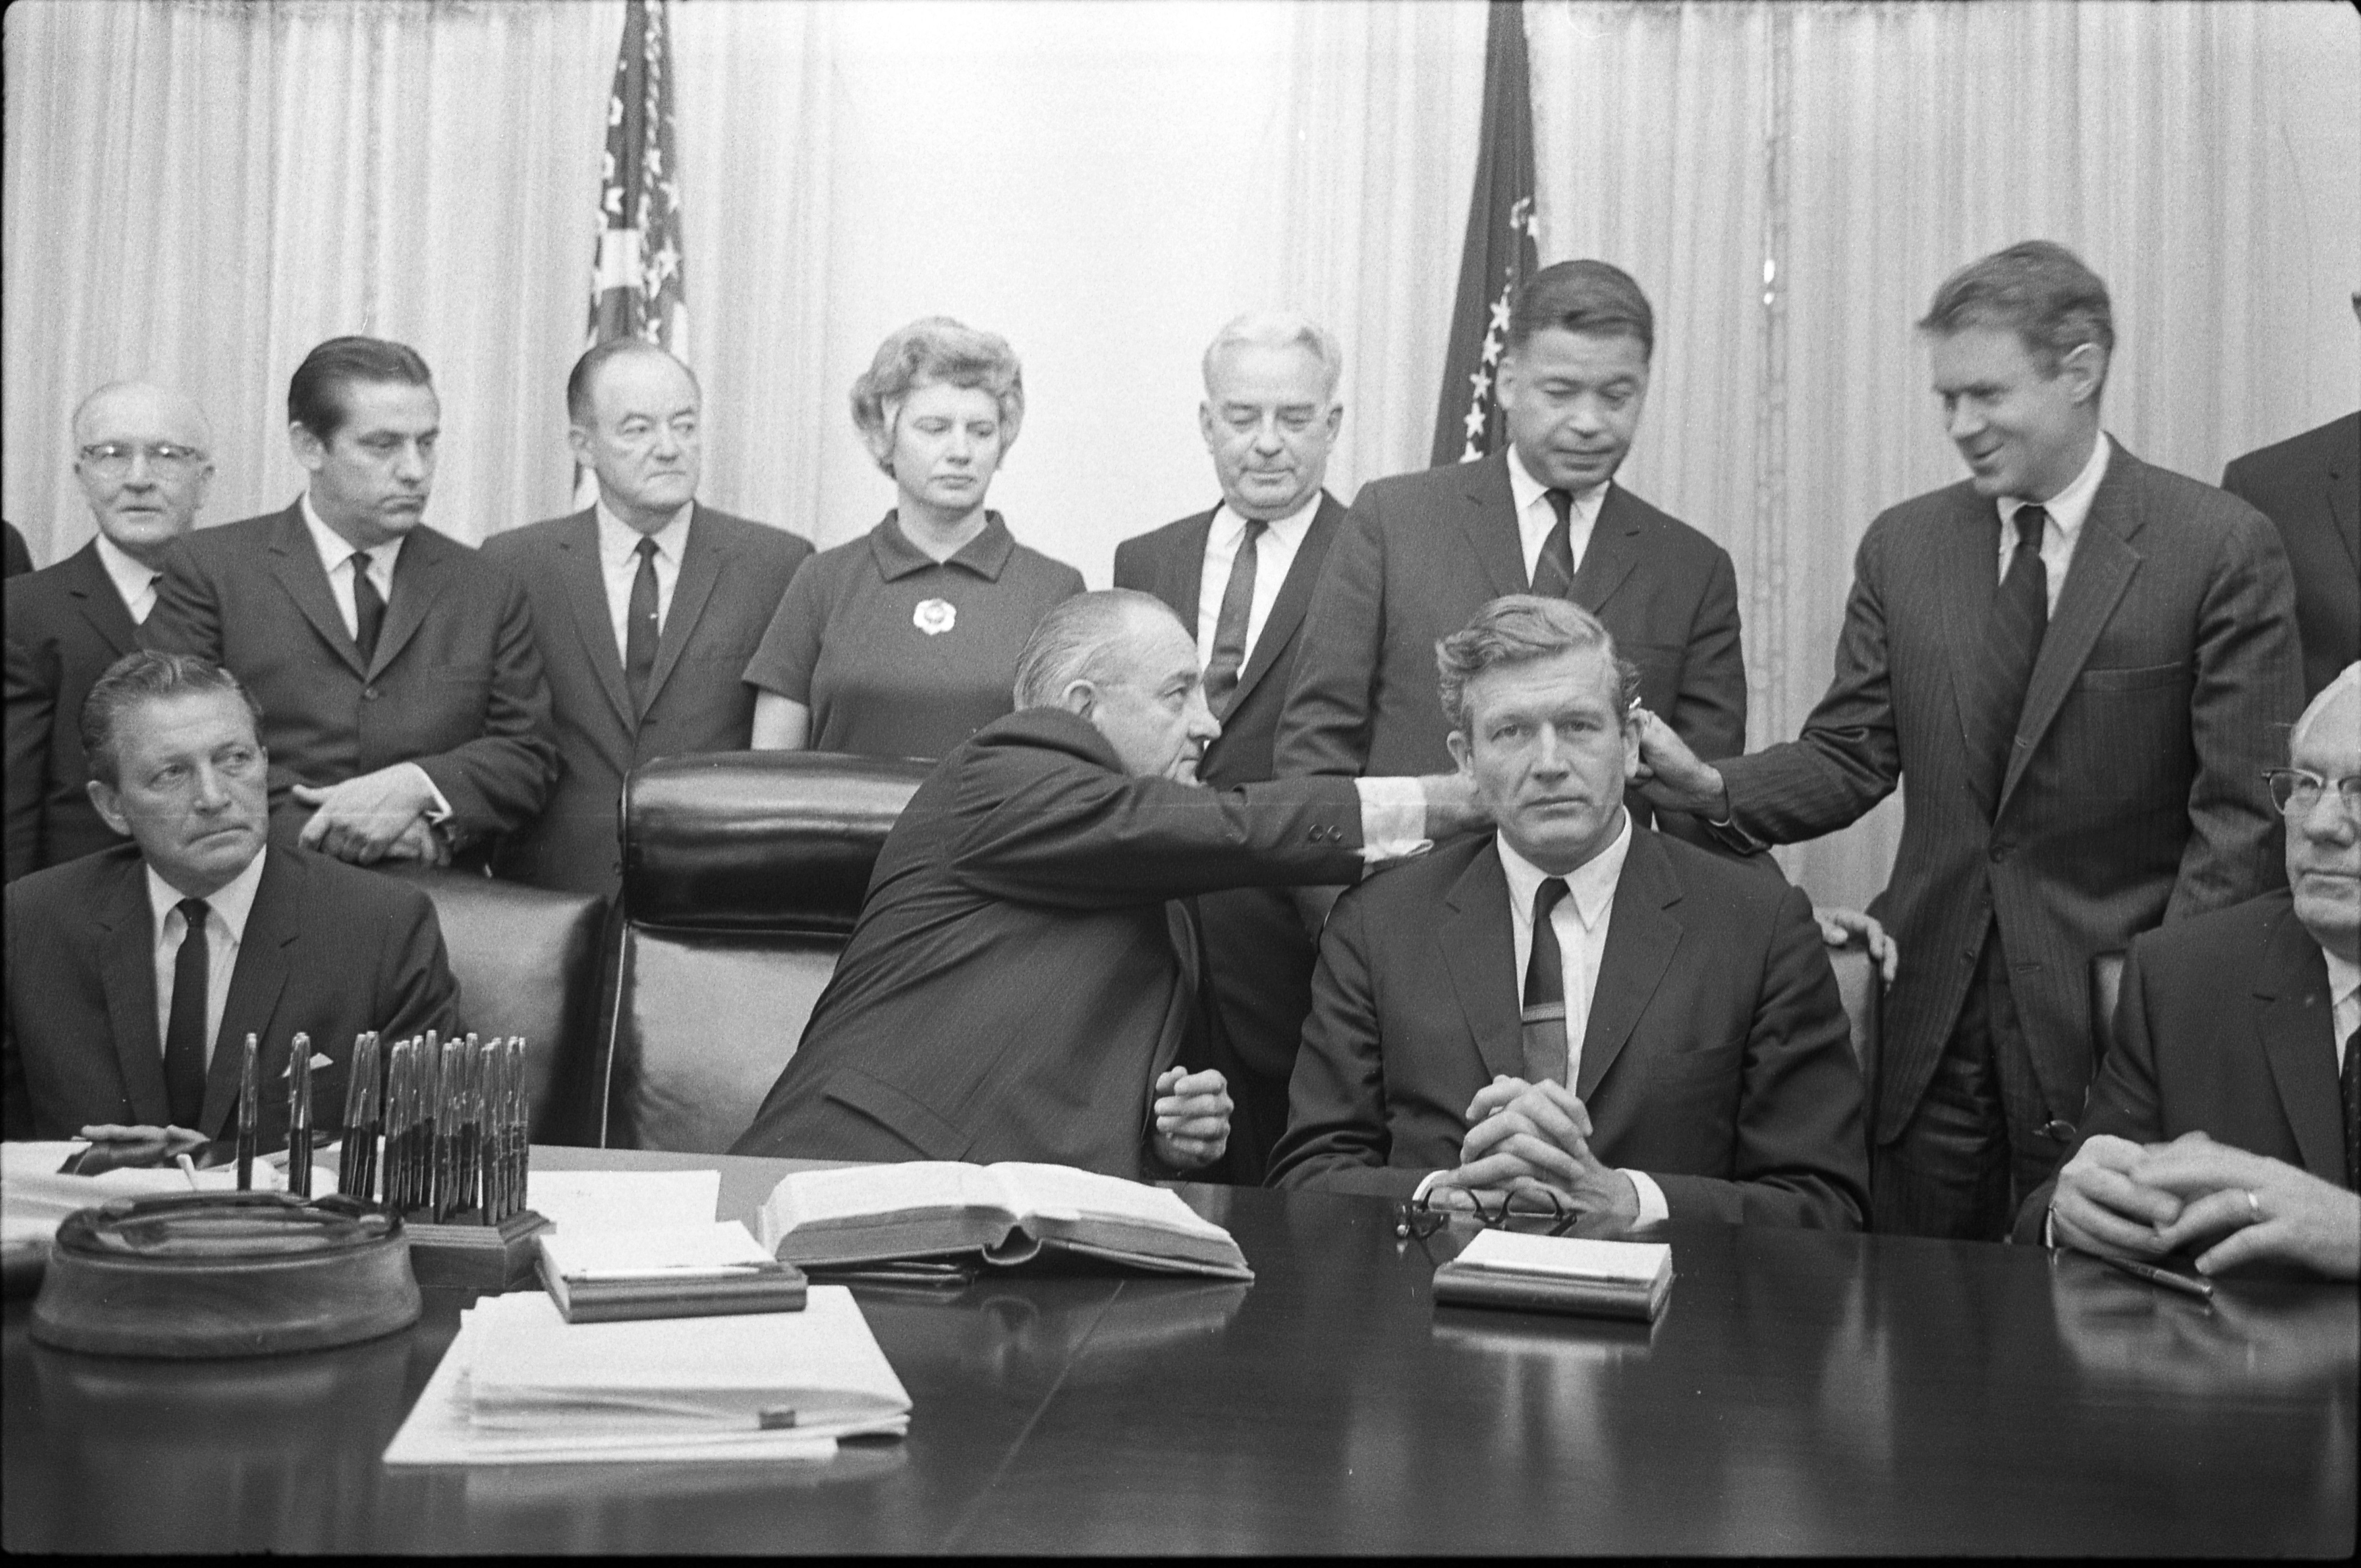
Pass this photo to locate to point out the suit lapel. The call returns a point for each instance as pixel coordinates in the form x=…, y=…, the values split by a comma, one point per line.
x=1967, y=576
x=1181, y=574
x=94, y=595
x=579, y=567
x=296, y=567
x=272, y=925
x=124, y=933
x=2297, y=1030
x=2103, y=564
x=1489, y=521
x=1641, y=939
x=1294, y=597
x=418, y=573
x=701, y=561
x=1480, y=950
x=1613, y=551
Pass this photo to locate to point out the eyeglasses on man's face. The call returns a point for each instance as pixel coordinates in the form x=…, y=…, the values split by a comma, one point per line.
x=2296, y=791
x=112, y=459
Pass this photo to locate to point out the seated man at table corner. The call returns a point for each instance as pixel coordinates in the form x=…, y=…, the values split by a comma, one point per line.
x=135, y=975
x=1020, y=984
x=1681, y=1049
x=2238, y=1039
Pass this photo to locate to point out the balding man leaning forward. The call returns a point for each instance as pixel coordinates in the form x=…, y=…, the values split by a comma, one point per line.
x=1020, y=984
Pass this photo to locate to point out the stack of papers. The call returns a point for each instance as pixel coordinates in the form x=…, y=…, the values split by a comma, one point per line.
x=520, y=1385
x=710, y=1269
x=1559, y=1274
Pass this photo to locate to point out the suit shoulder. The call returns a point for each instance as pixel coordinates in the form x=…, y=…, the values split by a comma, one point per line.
x=2318, y=448
x=1413, y=890
x=2206, y=947
x=1754, y=882
x=1419, y=489
x=1161, y=540
x=513, y=545
x=226, y=538
x=1668, y=535
x=356, y=890
x=70, y=890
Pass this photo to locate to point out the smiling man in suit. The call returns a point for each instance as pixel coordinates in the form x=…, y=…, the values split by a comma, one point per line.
x=1421, y=553
x=1575, y=1003
x=2240, y=1039
x=1241, y=577
x=142, y=457
x=134, y=975
x=408, y=718
x=2080, y=665
x=647, y=606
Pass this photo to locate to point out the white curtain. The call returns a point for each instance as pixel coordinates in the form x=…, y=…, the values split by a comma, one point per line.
x=197, y=191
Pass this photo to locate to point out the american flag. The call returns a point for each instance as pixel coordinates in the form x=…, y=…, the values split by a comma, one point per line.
x=1500, y=251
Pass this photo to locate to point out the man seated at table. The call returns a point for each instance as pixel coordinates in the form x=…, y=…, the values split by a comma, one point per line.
x=1020, y=984
x=1680, y=1048
x=135, y=975
x=2238, y=1038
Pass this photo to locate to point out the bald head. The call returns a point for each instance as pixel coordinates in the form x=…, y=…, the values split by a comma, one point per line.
x=143, y=456
x=1123, y=662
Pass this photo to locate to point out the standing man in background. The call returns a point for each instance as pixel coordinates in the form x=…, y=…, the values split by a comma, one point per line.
x=1240, y=576
x=2309, y=487
x=1421, y=553
x=2082, y=666
x=142, y=456
x=405, y=711
x=645, y=607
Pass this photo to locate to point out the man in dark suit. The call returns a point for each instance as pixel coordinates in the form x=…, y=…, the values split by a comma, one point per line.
x=14, y=559
x=2081, y=664
x=2238, y=1037
x=1017, y=986
x=1420, y=553
x=134, y=975
x=407, y=716
x=1680, y=1047
x=141, y=457
x=2309, y=487
x=645, y=606
x=1241, y=577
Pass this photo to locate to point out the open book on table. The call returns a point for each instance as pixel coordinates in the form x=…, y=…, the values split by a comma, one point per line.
x=1008, y=1213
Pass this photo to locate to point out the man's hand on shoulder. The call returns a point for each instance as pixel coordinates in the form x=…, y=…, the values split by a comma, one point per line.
x=1671, y=776
x=362, y=820
x=1840, y=926
x=1193, y=1117
x=1453, y=805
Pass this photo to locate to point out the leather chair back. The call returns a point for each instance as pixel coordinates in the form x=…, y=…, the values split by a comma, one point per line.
x=743, y=873
x=1858, y=983
x=527, y=962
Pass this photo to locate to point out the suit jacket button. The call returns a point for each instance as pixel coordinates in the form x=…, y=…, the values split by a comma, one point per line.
x=2000, y=850
x=368, y=694
x=2062, y=1131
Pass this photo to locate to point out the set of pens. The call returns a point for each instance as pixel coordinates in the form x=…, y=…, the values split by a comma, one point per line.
x=453, y=1117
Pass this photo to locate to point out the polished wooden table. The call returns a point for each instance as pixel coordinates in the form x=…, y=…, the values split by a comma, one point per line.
x=1803, y=1393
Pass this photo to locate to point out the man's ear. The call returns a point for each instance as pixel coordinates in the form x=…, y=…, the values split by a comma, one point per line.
x=308, y=450
x=1080, y=698
x=1461, y=754
x=579, y=439
x=2085, y=366
x=109, y=806
x=1205, y=423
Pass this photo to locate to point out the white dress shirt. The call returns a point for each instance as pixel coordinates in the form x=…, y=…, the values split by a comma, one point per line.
x=2344, y=994
x=336, y=560
x=225, y=929
x=619, y=563
x=1536, y=516
x=2066, y=509
x=1580, y=923
x=1274, y=555
x=133, y=579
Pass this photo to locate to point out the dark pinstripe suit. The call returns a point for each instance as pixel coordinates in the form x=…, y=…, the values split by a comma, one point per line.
x=2166, y=680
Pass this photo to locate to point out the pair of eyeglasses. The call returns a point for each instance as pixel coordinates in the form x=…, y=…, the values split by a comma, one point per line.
x=2297, y=790
x=1419, y=1218
x=113, y=458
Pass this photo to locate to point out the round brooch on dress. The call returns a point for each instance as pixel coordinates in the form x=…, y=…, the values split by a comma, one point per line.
x=935, y=617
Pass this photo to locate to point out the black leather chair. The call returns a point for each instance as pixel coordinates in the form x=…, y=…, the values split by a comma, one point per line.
x=743, y=873
x=528, y=963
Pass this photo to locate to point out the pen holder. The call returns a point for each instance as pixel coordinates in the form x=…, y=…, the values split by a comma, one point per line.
x=219, y=1274
x=477, y=1256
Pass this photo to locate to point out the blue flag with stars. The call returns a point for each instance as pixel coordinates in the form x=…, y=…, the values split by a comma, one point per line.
x=1500, y=253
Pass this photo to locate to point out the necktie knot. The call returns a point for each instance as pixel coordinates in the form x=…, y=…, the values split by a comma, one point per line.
x=1553, y=567
x=2029, y=521
x=1561, y=502
x=1547, y=896
x=646, y=549
x=193, y=910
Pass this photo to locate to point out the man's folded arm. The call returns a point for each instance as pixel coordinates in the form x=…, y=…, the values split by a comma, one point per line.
x=497, y=781
x=1800, y=1158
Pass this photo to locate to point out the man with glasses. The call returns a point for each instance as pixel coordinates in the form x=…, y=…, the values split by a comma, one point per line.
x=141, y=455
x=407, y=715
x=2226, y=1118
x=646, y=604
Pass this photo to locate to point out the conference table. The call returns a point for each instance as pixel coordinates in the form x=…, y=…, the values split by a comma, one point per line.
x=1802, y=1393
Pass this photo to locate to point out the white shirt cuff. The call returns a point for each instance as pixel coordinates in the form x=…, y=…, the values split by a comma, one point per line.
x=1393, y=820
x=1652, y=1206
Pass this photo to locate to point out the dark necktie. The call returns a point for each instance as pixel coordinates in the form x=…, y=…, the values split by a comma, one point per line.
x=2350, y=1082
x=369, y=608
x=1553, y=573
x=184, y=1025
x=2020, y=613
x=1230, y=627
x=640, y=628
x=1545, y=1013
